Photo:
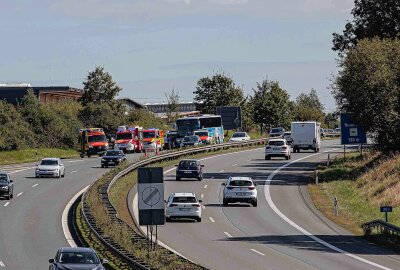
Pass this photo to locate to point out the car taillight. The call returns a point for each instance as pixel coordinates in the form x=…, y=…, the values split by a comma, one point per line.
x=196, y=204
x=173, y=204
x=252, y=188
x=229, y=187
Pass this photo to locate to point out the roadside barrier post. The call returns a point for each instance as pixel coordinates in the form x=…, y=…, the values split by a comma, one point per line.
x=335, y=206
x=316, y=177
x=329, y=160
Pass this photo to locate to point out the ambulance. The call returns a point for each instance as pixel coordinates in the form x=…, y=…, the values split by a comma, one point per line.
x=129, y=139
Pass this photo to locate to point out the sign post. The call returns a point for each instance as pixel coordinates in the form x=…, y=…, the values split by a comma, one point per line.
x=386, y=210
x=151, y=199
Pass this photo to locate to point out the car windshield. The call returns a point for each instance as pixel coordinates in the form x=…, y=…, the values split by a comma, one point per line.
x=287, y=133
x=240, y=183
x=184, y=200
x=201, y=133
x=97, y=138
x=124, y=136
x=190, y=139
x=149, y=134
x=240, y=134
x=276, y=130
x=49, y=162
x=277, y=143
x=114, y=153
x=78, y=258
x=188, y=163
x=3, y=178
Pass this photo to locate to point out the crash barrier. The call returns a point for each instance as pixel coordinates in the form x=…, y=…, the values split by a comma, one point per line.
x=385, y=230
x=104, y=190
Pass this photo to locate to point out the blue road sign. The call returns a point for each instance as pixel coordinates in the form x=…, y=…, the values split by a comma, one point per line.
x=351, y=133
x=386, y=209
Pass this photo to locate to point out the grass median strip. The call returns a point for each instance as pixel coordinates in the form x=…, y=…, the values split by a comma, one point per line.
x=160, y=259
x=29, y=155
x=361, y=185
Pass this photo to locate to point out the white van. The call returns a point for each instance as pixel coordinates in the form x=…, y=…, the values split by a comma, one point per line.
x=306, y=136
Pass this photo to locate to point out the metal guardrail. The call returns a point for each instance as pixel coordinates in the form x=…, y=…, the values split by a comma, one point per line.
x=389, y=231
x=103, y=192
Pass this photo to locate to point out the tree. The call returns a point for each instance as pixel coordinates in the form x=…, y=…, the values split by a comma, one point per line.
x=99, y=87
x=368, y=86
x=271, y=105
x=219, y=90
x=308, y=107
x=173, y=106
x=145, y=118
x=101, y=115
x=331, y=120
x=372, y=18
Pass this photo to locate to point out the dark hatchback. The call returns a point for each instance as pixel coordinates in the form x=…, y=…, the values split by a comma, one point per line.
x=113, y=158
x=76, y=258
x=6, y=186
x=189, y=168
x=191, y=140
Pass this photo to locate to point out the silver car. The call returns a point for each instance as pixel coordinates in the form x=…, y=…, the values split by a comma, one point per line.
x=239, y=189
x=52, y=167
x=183, y=205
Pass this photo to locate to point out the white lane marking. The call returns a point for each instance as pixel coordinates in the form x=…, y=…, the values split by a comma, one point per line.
x=19, y=194
x=35, y=185
x=233, y=165
x=221, y=170
x=228, y=234
x=205, y=186
x=302, y=230
x=212, y=220
x=7, y=203
x=2, y=264
x=73, y=171
x=202, y=195
x=72, y=161
x=258, y=252
x=249, y=160
x=64, y=218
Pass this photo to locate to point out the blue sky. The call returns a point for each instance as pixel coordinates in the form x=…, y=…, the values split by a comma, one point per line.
x=152, y=46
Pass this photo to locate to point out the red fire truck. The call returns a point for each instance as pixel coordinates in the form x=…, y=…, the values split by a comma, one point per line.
x=92, y=141
x=129, y=139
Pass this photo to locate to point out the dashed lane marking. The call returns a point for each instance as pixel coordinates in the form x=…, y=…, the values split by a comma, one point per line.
x=258, y=252
x=7, y=203
x=205, y=186
x=212, y=220
x=202, y=195
x=35, y=185
x=221, y=170
x=228, y=234
x=233, y=165
x=2, y=264
x=19, y=194
x=73, y=171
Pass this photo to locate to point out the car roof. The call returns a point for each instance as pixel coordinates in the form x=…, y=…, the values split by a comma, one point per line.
x=276, y=140
x=189, y=160
x=50, y=159
x=4, y=173
x=183, y=194
x=240, y=178
x=76, y=249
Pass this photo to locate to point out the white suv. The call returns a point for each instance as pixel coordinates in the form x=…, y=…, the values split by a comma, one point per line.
x=277, y=148
x=183, y=205
x=239, y=189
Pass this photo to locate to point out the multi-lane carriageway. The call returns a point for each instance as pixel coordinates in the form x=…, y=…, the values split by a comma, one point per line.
x=285, y=231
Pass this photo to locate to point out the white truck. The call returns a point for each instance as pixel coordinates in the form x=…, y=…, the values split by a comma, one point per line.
x=306, y=136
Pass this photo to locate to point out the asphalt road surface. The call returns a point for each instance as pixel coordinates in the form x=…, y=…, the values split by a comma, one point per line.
x=284, y=232
x=30, y=224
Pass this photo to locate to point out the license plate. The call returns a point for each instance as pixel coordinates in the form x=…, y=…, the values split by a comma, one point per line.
x=188, y=172
x=240, y=194
x=184, y=209
x=111, y=162
x=276, y=148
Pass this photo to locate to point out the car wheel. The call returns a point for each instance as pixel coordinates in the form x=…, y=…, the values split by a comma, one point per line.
x=8, y=197
x=254, y=203
x=106, y=166
x=225, y=202
x=198, y=219
x=12, y=194
x=200, y=178
x=102, y=165
x=168, y=219
x=88, y=155
x=36, y=176
x=178, y=178
x=316, y=150
x=59, y=175
x=267, y=157
x=287, y=157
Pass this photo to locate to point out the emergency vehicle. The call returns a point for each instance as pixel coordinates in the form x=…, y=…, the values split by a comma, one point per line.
x=129, y=139
x=153, y=139
x=92, y=141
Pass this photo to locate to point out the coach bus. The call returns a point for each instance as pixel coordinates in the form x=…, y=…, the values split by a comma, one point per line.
x=213, y=123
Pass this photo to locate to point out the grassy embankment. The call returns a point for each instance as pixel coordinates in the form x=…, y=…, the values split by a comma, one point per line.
x=29, y=155
x=118, y=196
x=361, y=184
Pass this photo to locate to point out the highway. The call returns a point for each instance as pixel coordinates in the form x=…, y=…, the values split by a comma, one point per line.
x=285, y=231
x=30, y=224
